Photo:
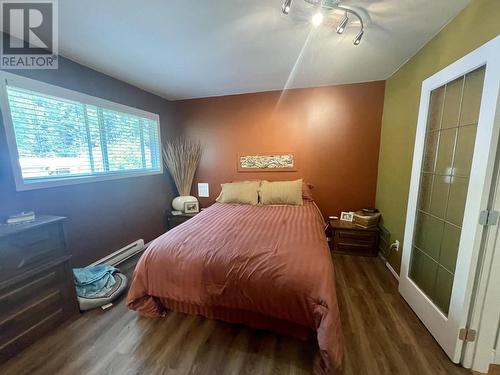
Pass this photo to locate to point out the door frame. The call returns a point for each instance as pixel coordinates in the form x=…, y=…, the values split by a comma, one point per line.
x=485, y=309
x=445, y=329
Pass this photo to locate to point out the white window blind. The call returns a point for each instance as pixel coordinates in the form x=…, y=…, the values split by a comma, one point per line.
x=61, y=139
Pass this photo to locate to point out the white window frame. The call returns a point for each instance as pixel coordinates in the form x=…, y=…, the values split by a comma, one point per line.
x=59, y=92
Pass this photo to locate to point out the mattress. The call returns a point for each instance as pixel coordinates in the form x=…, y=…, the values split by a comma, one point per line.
x=265, y=266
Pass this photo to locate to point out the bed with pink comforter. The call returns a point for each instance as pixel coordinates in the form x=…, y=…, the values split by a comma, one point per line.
x=268, y=267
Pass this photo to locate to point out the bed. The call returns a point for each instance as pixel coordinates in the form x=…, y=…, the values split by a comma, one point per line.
x=268, y=267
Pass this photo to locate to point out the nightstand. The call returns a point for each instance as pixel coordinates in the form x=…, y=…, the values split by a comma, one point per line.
x=349, y=238
x=174, y=220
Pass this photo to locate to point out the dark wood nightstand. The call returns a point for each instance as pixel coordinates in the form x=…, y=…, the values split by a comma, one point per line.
x=348, y=238
x=174, y=220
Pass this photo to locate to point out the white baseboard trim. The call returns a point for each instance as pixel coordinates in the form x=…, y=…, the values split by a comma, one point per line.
x=396, y=276
x=388, y=265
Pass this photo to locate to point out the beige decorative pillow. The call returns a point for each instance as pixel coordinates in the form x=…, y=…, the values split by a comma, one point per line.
x=281, y=192
x=239, y=192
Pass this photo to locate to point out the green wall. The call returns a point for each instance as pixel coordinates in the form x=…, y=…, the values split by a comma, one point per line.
x=475, y=25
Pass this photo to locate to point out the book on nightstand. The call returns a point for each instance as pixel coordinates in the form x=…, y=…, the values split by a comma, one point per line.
x=21, y=218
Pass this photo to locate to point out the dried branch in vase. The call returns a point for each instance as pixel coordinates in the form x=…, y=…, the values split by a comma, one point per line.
x=182, y=156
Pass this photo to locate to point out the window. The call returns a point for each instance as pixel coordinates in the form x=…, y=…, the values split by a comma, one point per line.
x=57, y=136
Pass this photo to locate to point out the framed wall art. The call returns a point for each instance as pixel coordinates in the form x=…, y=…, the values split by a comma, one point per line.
x=271, y=162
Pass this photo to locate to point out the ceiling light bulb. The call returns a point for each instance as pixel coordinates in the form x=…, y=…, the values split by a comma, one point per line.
x=285, y=7
x=357, y=40
x=342, y=24
x=317, y=19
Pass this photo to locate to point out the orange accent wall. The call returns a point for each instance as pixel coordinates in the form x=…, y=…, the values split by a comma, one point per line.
x=334, y=132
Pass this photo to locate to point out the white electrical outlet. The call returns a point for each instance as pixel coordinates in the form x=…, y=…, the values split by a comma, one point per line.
x=395, y=245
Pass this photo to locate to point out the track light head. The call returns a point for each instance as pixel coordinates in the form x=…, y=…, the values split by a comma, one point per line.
x=357, y=40
x=342, y=24
x=285, y=6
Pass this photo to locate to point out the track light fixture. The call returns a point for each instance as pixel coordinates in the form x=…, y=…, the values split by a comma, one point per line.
x=285, y=6
x=342, y=24
x=331, y=5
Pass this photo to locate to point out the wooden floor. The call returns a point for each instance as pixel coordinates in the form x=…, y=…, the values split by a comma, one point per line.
x=382, y=336
x=494, y=370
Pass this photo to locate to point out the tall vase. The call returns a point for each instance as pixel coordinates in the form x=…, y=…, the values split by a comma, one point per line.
x=178, y=202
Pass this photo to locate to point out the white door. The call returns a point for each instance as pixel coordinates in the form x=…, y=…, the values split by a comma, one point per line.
x=455, y=148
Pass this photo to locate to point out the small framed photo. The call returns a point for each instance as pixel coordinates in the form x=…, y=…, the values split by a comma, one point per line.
x=191, y=207
x=347, y=216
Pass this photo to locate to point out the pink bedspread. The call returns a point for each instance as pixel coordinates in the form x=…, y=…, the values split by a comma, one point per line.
x=255, y=261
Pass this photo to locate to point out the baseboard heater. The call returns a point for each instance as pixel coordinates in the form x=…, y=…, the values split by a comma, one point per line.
x=123, y=254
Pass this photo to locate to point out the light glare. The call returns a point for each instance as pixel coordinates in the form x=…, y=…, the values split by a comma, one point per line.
x=317, y=19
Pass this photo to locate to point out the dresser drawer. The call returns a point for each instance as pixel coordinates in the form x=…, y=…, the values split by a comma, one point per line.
x=355, y=236
x=22, y=320
x=24, y=293
x=33, y=305
x=355, y=242
x=41, y=326
x=355, y=248
x=24, y=251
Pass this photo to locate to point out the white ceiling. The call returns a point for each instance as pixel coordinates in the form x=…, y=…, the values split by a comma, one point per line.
x=193, y=48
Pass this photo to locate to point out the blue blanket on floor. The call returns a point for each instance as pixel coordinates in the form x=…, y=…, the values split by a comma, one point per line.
x=94, y=281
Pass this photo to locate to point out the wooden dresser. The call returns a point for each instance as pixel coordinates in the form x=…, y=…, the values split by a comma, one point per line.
x=36, y=283
x=349, y=238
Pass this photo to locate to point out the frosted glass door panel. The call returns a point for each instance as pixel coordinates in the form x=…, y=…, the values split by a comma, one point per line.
x=449, y=147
